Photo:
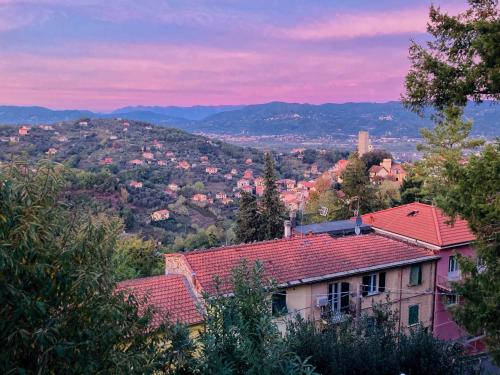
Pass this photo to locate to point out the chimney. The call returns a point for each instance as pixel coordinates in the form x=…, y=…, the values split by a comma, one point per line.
x=288, y=229
x=387, y=164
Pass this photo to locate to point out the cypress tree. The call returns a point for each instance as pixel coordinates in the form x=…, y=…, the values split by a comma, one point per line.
x=272, y=209
x=248, y=220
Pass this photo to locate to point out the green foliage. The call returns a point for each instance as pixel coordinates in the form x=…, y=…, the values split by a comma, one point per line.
x=58, y=312
x=248, y=219
x=411, y=188
x=337, y=210
x=357, y=187
x=460, y=63
x=447, y=142
x=374, y=345
x=134, y=257
x=472, y=194
x=272, y=209
x=212, y=236
x=240, y=336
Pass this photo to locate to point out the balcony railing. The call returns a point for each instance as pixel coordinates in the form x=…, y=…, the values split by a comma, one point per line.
x=445, y=282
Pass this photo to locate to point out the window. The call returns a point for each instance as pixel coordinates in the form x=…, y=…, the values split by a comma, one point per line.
x=416, y=275
x=452, y=264
x=338, y=297
x=451, y=299
x=370, y=285
x=413, y=315
x=279, y=303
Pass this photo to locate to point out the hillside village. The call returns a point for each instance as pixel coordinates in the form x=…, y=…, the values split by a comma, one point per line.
x=162, y=181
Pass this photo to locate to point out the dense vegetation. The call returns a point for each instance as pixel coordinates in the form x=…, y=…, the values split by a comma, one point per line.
x=103, y=186
x=460, y=64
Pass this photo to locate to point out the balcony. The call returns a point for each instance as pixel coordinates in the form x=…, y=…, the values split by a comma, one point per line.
x=445, y=282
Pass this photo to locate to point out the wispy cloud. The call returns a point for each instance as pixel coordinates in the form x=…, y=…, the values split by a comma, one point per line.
x=355, y=25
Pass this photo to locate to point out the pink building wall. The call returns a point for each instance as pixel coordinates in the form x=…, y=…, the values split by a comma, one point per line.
x=444, y=326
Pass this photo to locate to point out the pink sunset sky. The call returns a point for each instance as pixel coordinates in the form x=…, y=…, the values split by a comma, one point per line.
x=101, y=55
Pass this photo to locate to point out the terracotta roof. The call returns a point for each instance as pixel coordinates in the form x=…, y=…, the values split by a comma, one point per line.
x=422, y=222
x=168, y=294
x=297, y=259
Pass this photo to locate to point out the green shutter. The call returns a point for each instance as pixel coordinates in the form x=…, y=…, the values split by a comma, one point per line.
x=416, y=274
x=413, y=315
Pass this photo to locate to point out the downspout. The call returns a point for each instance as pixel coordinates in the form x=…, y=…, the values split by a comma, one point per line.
x=434, y=297
x=400, y=296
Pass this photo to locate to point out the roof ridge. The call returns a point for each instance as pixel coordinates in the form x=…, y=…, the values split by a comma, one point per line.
x=230, y=247
x=397, y=207
x=436, y=225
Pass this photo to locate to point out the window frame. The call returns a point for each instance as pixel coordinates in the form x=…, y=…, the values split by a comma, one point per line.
x=373, y=285
x=418, y=268
x=453, y=259
x=410, y=322
x=281, y=294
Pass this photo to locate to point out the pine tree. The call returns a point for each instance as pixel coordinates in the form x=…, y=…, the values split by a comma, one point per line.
x=272, y=209
x=248, y=219
x=356, y=186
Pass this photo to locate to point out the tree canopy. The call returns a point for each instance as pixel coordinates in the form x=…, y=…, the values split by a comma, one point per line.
x=460, y=63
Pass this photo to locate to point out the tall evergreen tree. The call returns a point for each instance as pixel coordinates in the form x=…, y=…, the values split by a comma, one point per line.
x=461, y=61
x=411, y=188
x=473, y=194
x=248, y=219
x=448, y=141
x=356, y=186
x=272, y=209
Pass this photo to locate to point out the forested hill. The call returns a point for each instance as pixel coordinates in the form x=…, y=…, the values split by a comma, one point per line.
x=381, y=119
x=108, y=157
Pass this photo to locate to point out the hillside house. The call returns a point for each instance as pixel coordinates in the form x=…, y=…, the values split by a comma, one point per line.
x=106, y=161
x=314, y=169
x=156, y=145
x=428, y=227
x=62, y=138
x=135, y=162
x=204, y=159
x=387, y=170
x=241, y=183
x=259, y=190
x=162, y=163
x=211, y=170
x=148, y=155
x=83, y=123
x=247, y=189
x=160, y=215
x=170, y=154
x=248, y=174
x=46, y=127
x=237, y=195
x=51, y=151
x=220, y=195
x=306, y=185
x=226, y=201
x=173, y=186
x=126, y=123
x=339, y=167
x=228, y=176
x=24, y=130
x=183, y=165
x=135, y=184
x=322, y=278
x=234, y=171
x=259, y=181
x=199, y=198
x=248, y=161
x=297, y=151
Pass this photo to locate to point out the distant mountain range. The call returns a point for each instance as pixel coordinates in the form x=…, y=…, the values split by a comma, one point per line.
x=381, y=119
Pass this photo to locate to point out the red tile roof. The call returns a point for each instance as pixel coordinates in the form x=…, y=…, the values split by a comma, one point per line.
x=422, y=222
x=298, y=259
x=168, y=294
